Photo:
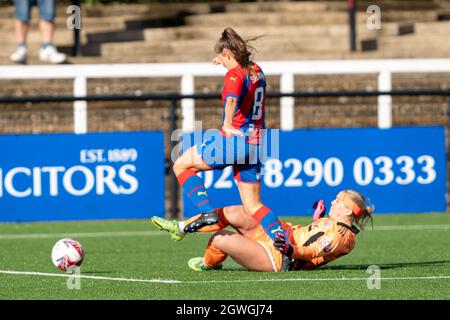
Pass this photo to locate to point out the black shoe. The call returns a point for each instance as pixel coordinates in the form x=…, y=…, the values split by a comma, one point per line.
x=206, y=219
x=287, y=263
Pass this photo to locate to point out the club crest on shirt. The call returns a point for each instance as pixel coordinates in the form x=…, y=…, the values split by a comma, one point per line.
x=327, y=224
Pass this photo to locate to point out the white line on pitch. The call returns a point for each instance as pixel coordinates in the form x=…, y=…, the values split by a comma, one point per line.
x=81, y=235
x=43, y=274
x=316, y=279
x=158, y=233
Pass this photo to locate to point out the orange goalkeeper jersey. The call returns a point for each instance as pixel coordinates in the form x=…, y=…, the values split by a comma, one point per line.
x=320, y=242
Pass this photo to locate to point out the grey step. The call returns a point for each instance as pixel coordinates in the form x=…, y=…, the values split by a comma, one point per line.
x=123, y=53
x=276, y=6
x=117, y=9
x=33, y=49
x=205, y=47
x=119, y=22
x=409, y=53
x=61, y=23
x=294, y=18
x=237, y=19
x=60, y=37
x=64, y=36
x=311, y=6
x=440, y=28
x=417, y=42
x=282, y=31
x=287, y=56
x=400, y=5
x=145, y=9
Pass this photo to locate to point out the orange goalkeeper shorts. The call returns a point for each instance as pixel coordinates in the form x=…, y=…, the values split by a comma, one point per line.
x=274, y=255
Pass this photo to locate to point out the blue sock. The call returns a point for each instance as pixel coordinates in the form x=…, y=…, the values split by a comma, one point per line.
x=269, y=221
x=194, y=189
x=46, y=44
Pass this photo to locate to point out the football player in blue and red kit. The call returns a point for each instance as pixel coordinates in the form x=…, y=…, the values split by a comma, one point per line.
x=243, y=99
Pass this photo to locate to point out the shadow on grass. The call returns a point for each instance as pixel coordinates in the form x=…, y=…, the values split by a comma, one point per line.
x=386, y=265
x=234, y=268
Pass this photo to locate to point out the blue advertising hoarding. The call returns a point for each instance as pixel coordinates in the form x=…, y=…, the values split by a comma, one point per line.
x=51, y=177
x=402, y=170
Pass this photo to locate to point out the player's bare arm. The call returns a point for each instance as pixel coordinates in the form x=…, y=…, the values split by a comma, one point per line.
x=230, y=108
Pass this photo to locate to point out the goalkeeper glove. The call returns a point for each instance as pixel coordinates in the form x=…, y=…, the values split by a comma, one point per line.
x=281, y=244
x=320, y=209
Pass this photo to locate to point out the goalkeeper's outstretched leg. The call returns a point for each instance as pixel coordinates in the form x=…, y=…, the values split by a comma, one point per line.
x=232, y=215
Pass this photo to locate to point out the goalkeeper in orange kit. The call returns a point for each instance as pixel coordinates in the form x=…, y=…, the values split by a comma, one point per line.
x=318, y=243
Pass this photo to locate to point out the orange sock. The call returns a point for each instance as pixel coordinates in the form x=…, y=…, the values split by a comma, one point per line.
x=223, y=222
x=213, y=256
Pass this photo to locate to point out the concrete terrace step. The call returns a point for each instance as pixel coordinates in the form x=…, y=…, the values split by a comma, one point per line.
x=439, y=43
x=270, y=56
x=119, y=22
x=33, y=49
x=60, y=37
x=275, y=6
x=401, y=4
x=205, y=47
x=61, y=23
x=206, y=56
x=145, y=9
x=65, y=36
x=282, y=31
x=117, y=9
x=433, y=28
x=237, y=19
x=315, y=6
x=298, y=18
x=398, y=52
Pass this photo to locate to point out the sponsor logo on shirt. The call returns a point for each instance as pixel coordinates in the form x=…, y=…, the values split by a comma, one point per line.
x=325, y=243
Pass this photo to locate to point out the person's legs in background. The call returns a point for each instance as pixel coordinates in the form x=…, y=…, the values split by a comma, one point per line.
x=21, y=24
x=48, y=52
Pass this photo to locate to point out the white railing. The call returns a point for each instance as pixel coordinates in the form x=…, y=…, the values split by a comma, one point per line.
x=188, y=71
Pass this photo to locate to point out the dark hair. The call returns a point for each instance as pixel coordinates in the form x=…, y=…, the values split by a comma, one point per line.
x=241, y=49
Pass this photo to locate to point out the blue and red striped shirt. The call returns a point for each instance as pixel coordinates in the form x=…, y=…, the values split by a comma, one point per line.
x=249, y=88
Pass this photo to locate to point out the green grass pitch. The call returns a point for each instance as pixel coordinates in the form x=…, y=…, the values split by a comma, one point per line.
x=131, y=260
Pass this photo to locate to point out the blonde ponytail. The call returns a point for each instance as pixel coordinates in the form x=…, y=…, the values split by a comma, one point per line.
x=365, y=205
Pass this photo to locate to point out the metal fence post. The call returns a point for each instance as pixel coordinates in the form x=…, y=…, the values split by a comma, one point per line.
x=352, y=23
x=173, y=178
x=76, y=49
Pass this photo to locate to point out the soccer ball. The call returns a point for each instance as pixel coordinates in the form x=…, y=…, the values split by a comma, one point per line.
x=67, y=253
